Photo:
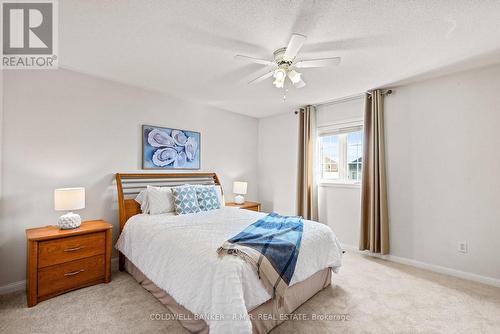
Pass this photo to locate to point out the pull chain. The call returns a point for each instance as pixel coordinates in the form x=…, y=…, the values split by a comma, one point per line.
x=285, y=91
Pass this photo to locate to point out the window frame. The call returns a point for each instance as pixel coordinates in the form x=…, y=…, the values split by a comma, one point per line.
x=338, y=128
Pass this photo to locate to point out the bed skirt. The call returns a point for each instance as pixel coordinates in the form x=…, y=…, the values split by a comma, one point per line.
x=264, y=317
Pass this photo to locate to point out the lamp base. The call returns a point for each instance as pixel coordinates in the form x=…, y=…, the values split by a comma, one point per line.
x=239, y=199
x=69, y=221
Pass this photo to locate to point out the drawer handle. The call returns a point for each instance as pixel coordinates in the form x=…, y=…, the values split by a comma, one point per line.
x=73, y=273
x=73, y=249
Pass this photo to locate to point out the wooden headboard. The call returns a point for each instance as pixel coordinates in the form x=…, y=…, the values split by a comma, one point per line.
x=130, y=184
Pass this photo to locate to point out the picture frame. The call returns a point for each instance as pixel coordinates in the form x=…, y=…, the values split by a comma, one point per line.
x=170, y=148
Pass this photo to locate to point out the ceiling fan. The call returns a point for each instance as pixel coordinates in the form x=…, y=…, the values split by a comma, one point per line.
x=285, y=63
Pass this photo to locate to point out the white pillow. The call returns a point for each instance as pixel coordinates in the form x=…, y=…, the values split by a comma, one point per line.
x=160, y=200
x=142, y=199
x=168, y=204
x=218, y=190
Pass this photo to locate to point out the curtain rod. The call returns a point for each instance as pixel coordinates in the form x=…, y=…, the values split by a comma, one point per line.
x=349, y=98
x=352, y=97
x=383, y=91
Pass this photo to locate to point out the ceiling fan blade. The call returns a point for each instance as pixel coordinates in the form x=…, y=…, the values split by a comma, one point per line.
x=294, y=46
x=320, y=62
x=254, y=60
x=262, y=77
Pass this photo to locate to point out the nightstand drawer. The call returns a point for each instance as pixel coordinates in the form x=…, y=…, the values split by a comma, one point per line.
x=70, y=275
x=71, y=248
x=253, y=208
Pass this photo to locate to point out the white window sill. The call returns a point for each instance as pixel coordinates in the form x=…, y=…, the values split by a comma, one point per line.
x=339, y=185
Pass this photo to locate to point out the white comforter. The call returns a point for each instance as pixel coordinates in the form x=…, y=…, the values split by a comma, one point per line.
x=178, y=253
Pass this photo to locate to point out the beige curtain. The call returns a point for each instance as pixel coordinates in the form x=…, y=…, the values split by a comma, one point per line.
x=307, y=205
x=374, y=214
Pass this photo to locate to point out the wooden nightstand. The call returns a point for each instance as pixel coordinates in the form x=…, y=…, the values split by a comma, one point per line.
x=64, y=260
x=254, y=206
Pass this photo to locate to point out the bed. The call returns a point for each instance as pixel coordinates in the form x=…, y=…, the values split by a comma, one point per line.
x=174, y=257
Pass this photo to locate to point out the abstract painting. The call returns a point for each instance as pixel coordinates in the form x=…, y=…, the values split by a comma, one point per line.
x=167, y=148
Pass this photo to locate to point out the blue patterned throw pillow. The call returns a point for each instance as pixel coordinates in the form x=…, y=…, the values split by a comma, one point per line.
x=185, y=200
x=207, y=198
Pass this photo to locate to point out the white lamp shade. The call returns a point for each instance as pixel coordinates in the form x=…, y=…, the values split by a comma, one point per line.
x=67, y=199
x=240, y=187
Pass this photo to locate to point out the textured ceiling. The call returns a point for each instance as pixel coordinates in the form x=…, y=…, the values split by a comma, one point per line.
x=186, y=48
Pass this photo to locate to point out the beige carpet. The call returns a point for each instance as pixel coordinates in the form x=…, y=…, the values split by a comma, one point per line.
x=376, y=295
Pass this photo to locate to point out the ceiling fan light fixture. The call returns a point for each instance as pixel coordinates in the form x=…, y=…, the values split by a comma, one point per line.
x=295, y=77
x=280, y=74
x=279, y=83
x=299, y=84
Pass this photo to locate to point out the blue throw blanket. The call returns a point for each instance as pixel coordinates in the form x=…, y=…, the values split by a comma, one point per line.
x=272, y=245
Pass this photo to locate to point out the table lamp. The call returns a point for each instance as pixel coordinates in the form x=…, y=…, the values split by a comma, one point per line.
x=240, y=189
x=68, y=199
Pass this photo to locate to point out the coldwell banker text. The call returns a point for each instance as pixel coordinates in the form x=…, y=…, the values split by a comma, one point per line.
x=29, y=38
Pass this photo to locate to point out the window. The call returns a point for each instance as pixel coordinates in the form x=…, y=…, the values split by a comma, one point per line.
x=340, y=153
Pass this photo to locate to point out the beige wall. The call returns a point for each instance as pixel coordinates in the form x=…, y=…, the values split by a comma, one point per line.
x=63, y=129
x=278, y=145
x=443, y=139
x=1, y=130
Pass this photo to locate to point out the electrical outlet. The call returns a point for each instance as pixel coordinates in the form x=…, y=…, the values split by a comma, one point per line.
x=462, y=247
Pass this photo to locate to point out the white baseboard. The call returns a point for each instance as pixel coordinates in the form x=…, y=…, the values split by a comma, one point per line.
x=431, y=267
x=13, y=287
x=21, y=285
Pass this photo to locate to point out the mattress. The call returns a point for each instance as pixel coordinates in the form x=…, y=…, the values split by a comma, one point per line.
x=178, y=254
